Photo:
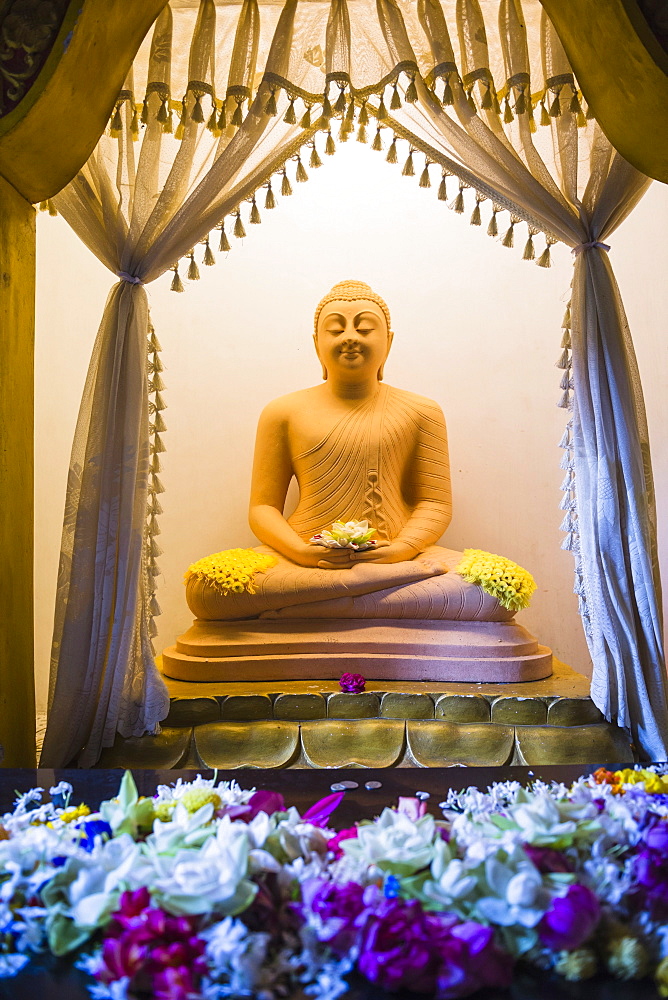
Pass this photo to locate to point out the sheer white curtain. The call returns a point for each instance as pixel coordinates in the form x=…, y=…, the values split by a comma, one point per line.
x=490, y=101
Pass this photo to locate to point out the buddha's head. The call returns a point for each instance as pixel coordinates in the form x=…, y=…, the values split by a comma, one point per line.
x=353, y=334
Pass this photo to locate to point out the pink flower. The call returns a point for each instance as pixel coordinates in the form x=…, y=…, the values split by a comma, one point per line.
x=263, y=801
x=320, y=811
x=411, y=807
x=353, y=683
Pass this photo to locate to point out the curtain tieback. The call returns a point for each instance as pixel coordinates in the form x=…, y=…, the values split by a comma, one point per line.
x=131, y=278
x=589, y=246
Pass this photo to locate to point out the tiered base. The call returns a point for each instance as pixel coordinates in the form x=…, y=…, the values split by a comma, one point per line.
x=271, y=650
x=392, y=724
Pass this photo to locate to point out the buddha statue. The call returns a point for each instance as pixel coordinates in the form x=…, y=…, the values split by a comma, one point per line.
x=359, y=449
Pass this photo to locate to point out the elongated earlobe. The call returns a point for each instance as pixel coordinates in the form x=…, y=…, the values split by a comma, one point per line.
x=324, y=373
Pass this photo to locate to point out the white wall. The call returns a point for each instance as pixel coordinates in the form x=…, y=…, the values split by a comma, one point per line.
x=476, y=328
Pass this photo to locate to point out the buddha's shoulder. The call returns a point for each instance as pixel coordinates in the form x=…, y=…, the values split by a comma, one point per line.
x=284, y=407
x=419, y=406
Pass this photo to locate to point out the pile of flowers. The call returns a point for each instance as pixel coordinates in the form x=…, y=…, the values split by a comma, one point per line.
x=232, y=570
x=349, y=535
x=502, y=578
x=207, y=890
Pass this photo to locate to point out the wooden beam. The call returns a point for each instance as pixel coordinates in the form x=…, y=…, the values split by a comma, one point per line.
x=17, y=334
x=51, y=135
x=623, y=73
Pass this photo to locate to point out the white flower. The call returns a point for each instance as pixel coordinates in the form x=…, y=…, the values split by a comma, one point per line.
x=11, y=964
x=103, y=875
x=515, y=893
x=394, y=843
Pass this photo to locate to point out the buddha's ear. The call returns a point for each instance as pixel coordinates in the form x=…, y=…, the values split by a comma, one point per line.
x=315, y=344
x=381, y=370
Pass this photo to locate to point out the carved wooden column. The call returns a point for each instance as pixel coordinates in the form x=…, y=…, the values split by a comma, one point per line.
x=62, y=64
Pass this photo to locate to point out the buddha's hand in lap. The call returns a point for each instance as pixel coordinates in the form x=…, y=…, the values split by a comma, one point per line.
x=398, y=551
x=320, y=557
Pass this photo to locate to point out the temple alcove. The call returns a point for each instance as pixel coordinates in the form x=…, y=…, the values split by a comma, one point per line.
x=198, y=348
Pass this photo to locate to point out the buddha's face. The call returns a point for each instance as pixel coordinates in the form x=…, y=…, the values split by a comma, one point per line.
x=352, y=338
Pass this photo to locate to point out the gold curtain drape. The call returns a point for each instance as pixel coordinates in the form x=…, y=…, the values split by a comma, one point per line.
x=230, y=109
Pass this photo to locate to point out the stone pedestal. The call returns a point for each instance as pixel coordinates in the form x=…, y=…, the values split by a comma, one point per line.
x=443, y=651
x=307, y=724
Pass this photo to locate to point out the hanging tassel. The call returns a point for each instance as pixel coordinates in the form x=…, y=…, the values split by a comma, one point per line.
x=116, y=126
x=156, y=506
x=156, y=383
x=563, y=384
x=212, y=124
x=411, y=95
x=508, y=116
x=327, y=111
x=153, y=525
x=564, y=360
x=158, y=445
x=159, y=423
x=286, y=187
x=222, y=118
x=154, y=342
x=156, y=364
x=442, y=189
x=290, y=117
x=568, y=543
x=269, y=201
x=239, y=230
x=237, y=117
x=330, y=145
x=301, y=174
x=162, y=114
x=381, y=114
x=545, y=260
x=575, y=107
x=340, y=105
x=458, y=204
x=255, y=219
x=565, y=439
x=568, y=524
x=180, y=128
x=363, y=115
x=476, y=220
x=392, y=152
x=350, y=114
x=193, y=270
x=270, y=106
x=377, y=144
x=177, y=284
x=544, y=117
x=566, y=339
x=521, y=103
x=532, y=121
x=209, y=259
x=509, y=239
x=198, y=114
x=160, y=404
x=493, y=227
x=144, y=112
x=566, y=501
x=529, y=250
x=224, y=245
x=408, y=170
x=134, y=126
x=361, y=134
x=154, y=607
x=471, y=102
x=343, y=131
x=555, y=107
x=395, y=103
x=306, y=118
x=448, y=97
x=425, y=179
x=487, y=104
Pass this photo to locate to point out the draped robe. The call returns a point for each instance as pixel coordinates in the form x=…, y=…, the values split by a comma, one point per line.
x=385, y=461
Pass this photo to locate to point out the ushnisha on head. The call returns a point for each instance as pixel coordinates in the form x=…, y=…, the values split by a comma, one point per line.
x=353, y=332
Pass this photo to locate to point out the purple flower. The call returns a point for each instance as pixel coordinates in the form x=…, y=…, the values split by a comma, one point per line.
x=546, y=859
x=352, y=682
x=570, y=920
x=651, y=871
x=320, y=811
x=403, y=947
x=412, y=807
x=338, y=905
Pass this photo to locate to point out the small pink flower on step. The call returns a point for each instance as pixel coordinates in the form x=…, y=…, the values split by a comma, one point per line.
x=352, y=683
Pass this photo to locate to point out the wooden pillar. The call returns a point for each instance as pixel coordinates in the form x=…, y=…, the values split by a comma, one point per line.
x=17, y=334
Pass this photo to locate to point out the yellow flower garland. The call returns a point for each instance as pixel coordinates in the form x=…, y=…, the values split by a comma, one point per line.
x=502, y=578
x=232, y=570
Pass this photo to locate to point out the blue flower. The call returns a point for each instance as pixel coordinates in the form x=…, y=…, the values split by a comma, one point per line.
x=90, y=830
x=391, y=887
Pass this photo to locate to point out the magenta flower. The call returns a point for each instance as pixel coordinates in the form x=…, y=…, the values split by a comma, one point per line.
x=263, y=801
x=338, y=905
x=333, y=843
x=571, y=919
x=546, y=859
x=160, y=954
x=353, y=683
